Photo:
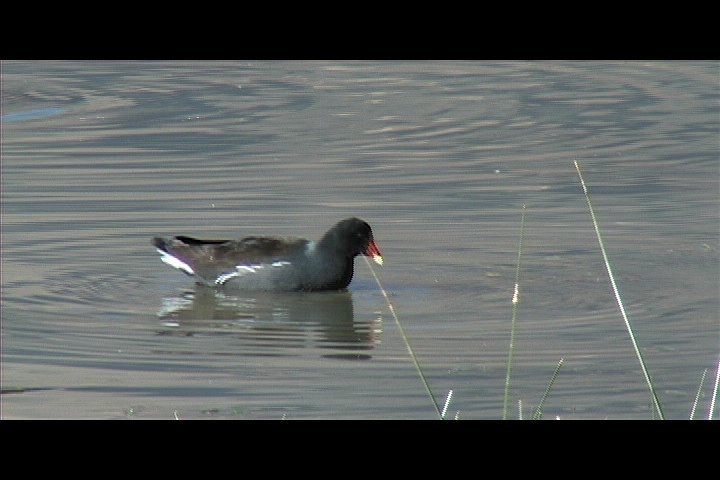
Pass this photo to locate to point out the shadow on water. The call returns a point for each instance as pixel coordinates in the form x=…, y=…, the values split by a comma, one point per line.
x=294, y=319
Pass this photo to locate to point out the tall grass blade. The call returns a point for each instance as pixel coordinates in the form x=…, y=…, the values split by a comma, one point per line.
x=715, y=391
x=697, y=395
x=538, y=411
x=515, y=301
x=520, y=409
x=447, y=403
x=405, y=339
x=617, y=297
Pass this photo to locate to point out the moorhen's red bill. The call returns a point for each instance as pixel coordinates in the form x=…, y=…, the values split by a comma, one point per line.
x=272, y=263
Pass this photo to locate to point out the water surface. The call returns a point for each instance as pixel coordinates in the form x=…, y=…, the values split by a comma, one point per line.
x=439, y=157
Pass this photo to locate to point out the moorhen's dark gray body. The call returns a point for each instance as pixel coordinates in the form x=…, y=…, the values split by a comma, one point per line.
x=271, y=263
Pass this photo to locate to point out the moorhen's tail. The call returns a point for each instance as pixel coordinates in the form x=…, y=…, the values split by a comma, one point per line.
x=168, y=257
x=159, y=243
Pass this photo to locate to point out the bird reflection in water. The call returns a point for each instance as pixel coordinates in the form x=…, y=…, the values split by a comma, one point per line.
x=273, y=321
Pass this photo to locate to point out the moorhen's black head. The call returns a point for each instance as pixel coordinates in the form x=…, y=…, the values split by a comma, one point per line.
x=355, y=237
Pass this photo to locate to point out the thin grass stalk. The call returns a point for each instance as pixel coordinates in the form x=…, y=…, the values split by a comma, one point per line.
x=520, y=409
x=538, y=411
x=515, y=301
x=447, y=403
x=697, y=395
x=618, y=299
x=715, y=391
x=405, y=339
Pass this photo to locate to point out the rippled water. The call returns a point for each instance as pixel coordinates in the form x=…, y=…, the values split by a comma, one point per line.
x=439, y=157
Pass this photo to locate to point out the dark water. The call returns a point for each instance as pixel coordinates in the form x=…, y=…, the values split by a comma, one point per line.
x=439, y=157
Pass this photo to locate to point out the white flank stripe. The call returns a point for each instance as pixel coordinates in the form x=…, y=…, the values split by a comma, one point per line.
x=175, y=262
x=225, y=277
x=241, y=270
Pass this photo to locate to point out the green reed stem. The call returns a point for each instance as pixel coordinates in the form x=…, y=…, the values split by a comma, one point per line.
x=652, y=408
x=697, y=395
x=715, y=391
x=538, y=411
x=515, y=300
x=407, y=343
x=447, y=403
x=617, y=297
